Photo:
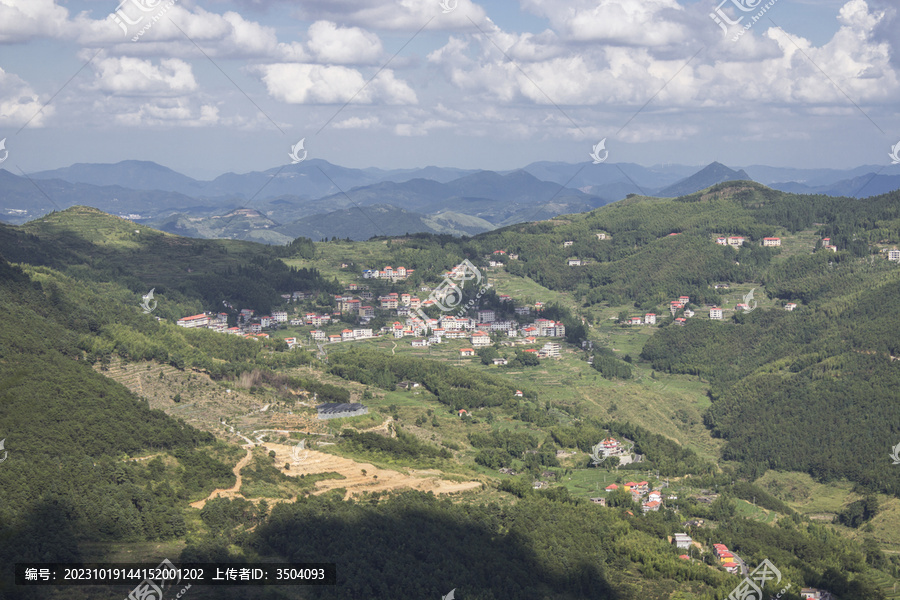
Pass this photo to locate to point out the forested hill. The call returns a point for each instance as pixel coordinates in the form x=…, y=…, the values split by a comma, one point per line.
x=66, y=428
x=91, y=245
x=642, y=261
x=791, y=390
x=811, y=391
x=655, y=248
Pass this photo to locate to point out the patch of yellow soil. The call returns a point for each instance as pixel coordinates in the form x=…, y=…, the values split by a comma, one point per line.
x=375, y=479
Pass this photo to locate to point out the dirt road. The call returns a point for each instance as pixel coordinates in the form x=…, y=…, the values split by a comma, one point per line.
x=233, y=491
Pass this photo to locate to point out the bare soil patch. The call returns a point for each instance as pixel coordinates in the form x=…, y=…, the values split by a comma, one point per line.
x=374, y=480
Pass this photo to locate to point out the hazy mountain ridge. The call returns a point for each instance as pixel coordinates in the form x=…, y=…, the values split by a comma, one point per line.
x=322, y=199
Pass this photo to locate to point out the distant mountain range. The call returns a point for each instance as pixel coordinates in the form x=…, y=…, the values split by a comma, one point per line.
x=319, y=199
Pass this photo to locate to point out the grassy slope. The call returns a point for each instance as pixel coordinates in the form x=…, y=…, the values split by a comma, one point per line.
x=666, y=404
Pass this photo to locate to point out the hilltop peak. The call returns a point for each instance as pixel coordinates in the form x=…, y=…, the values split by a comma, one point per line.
x=713, y=173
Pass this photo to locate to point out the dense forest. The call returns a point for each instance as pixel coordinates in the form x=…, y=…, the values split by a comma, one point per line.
x=195, y=273
x=68, y=428
x=454, y=386
x=801, y=390
x=641, y=262
x=545, y=545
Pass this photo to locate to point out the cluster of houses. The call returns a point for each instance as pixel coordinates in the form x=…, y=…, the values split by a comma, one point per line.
x=610, y=447
x=389, y=272
x=682, y=541
x=346, y=335
x=433, y=330
x=248, y=327
x=653, y=500
x=648, y=319
x=298, y=296
x=548, y=350
x=680, y=303
x=674, y=307
x=573, y=262
x=736, y=241
x=477, y=330
x=403, y=303
x=492, y=258
x=727, y=558
x=313, y=319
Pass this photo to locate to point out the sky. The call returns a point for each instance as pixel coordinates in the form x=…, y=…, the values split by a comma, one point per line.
x=222, y=86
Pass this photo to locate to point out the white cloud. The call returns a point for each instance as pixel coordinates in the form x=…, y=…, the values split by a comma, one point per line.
x=343, y=45
x=174, y=29
x=21, y=20
x=405, y=15
x=420, y=128
x=851, y=63
x=618, y=22
x=128, y=76
x=19, y=103
x=317, y=84
x=177, y=112
x=599, y=61
x=555, y=70
x=358, y=123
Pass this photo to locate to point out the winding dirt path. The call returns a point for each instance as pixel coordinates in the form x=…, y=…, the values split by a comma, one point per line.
x=233, y=491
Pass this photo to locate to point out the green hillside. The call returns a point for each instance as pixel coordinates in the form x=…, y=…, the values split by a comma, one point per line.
x=708, y=407
x=90, y=245
x=832, y=357
x=66, y=428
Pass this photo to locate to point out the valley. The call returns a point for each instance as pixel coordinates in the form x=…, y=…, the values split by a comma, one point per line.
x=490, y=445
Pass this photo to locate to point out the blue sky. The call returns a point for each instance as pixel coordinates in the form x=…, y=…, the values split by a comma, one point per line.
x=231, y=85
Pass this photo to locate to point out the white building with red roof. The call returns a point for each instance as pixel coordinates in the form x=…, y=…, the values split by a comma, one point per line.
x=201, y=320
